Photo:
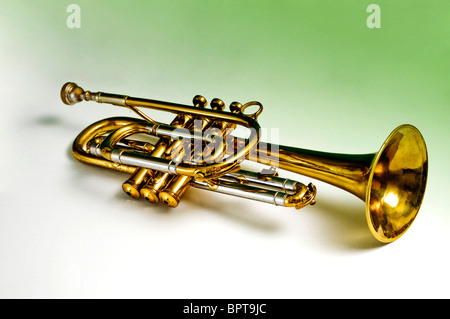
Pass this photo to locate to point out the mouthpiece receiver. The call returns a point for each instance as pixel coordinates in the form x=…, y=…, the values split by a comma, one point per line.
x=71, y=93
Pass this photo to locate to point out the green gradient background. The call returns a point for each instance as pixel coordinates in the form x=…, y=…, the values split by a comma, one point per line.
x=326, y=80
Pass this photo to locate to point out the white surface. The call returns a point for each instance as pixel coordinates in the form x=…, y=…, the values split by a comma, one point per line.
x=67, y=230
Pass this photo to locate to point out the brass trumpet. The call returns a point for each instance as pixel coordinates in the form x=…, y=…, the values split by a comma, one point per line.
x=197, y=149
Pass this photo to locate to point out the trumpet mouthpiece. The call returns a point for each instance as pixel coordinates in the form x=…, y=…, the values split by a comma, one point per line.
x=71, y=93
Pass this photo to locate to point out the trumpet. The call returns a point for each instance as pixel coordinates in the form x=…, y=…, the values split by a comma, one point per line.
x=197, y=149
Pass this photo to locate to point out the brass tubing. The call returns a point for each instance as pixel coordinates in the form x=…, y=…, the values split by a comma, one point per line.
x=180, y=108
x=171, y=192
x=80, y=147
x=212, y=170
x=346, y=171
x=71, y=93
x=151, y=190
x=142, y=175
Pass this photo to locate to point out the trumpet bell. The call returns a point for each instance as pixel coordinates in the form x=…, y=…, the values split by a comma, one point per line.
x=396, y=184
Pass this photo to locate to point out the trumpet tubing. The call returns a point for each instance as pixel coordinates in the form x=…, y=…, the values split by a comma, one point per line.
x=391, y=181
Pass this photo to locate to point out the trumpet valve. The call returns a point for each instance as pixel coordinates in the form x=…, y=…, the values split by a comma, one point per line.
x=172, y=194
x=235, y=107
x=199, y=101
x=133, y=184
x=217, y=104
x=149, y=194
x=153, y=187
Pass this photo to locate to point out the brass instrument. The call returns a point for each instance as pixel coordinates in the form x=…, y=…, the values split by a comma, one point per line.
x=197, y=150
